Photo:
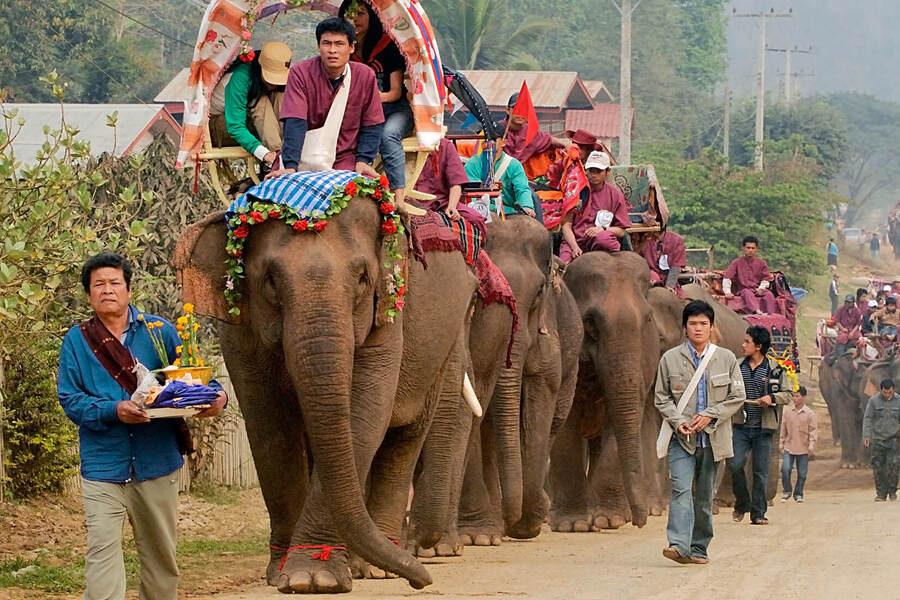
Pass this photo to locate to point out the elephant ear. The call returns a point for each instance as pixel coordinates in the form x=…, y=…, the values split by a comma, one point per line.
x=385, y=287
x=200, y=264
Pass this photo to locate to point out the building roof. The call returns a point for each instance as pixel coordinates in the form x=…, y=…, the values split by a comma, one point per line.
x=550, y=90
x=136, y=125
x=598, y=90
x=602, y=120
x=176, y=90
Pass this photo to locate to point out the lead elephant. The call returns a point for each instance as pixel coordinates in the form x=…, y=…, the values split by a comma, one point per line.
x=617, y=366
x=336, y=400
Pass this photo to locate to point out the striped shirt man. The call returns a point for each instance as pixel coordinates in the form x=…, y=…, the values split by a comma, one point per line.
x=756, y=381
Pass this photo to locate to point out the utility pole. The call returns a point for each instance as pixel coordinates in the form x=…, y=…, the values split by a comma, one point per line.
x=761, y=88
x=626, y=9
x=787, y=67
x=726, y=127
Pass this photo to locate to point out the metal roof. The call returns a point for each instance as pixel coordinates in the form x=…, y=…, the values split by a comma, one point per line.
x=602, y=121
x=598, y=90
x=550, y=90
x=135, y=122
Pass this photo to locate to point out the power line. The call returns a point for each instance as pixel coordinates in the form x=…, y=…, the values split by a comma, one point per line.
x=142, y=24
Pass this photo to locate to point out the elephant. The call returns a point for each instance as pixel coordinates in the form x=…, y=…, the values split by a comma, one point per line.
x=850, y=384
x=525, y=402
x=828, y=388
x=337, y=400
x=617, y=367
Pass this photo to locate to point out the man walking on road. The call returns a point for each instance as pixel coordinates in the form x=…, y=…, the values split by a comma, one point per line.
x=834, y=292
x=766, y=386
x=698, y=387
x=799, y=433
x=881, y=425
x=875, y=246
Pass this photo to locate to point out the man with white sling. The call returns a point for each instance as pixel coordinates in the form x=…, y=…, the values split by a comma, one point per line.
x=698, y=387
x=331, y=109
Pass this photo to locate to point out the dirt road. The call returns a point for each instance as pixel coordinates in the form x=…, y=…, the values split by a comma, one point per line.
x=838, y=544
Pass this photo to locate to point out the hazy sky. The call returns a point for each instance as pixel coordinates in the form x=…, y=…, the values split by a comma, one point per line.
x=856, y=45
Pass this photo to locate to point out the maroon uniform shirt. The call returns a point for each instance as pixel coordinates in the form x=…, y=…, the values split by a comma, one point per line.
x=309, y=94
x=517, y=148
x=747, y=274
x=607, y=197
x=671, y=245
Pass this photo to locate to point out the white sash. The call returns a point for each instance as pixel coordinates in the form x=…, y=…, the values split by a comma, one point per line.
x=320, y=145
x=665, y=430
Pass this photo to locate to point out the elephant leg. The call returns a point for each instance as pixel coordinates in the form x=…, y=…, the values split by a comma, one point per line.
x=568, y=484
x=318, y=561
x=541, y=393
x=432, y=521
x=478, y=515
x=276, y=444
x=655, y=471
x=611, y=510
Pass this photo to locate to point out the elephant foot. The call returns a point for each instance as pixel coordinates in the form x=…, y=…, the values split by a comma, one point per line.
x=360, y=569
x=657, y=509
x=608, y=522
x=480, y=536
x=328, y=573
x=525, y=529
x=448, y=546
x=570, y=523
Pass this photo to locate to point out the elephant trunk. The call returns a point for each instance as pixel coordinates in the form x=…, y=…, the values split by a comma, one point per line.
x=320, y=356
x=625, y=390
x=506, y=407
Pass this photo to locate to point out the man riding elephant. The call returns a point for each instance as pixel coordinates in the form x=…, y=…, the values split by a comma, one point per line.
x=746, y=282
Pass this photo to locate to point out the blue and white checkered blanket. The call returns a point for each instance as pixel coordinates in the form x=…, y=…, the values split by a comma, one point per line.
x=308, y=192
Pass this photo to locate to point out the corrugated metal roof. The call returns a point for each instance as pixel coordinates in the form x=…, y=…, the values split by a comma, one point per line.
x=550, y=90
x=602, y=121
x=134, y=122
x=598, y=90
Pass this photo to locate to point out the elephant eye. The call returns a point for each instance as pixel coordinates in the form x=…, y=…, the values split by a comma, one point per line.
x=269, y=288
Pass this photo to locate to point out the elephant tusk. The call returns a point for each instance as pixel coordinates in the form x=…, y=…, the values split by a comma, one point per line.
x=471, y=399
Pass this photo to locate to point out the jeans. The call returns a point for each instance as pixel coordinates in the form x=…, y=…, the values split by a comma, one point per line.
x=398, y=122
x=758, y=441
x=787, y=465
x=690, y=526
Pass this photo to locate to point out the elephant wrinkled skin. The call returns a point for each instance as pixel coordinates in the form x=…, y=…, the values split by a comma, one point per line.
x=336, y=404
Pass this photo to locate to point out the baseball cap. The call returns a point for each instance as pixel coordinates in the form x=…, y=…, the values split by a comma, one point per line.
x=597, y=160
x=886, y=288
x=849, y=298
x=512, y=100
x=873, y=303
x=275, y=61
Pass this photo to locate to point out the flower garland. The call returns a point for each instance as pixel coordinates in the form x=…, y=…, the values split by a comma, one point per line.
x=256, y=212
x=248, y=21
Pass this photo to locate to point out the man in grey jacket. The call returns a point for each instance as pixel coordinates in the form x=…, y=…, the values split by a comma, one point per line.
x=881, y=425
x=702, y=431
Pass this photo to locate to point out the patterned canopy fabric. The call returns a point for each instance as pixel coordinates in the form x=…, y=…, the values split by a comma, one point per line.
x=219, y=41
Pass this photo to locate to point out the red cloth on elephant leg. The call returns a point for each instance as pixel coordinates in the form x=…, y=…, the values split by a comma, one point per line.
x=493, y=288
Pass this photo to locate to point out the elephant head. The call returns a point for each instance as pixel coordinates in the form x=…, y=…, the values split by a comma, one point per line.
x=310, y=304
x=618, y=357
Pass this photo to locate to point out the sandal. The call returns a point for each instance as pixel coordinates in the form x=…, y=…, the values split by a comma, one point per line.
x=737, y=517
x=672, y=553
x=762, y=521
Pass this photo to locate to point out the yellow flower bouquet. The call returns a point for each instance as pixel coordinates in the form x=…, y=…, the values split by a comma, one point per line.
x=189, y=360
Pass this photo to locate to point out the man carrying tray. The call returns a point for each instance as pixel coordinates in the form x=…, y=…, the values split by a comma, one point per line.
x=129, y=464
x=331, y=109
x=698, y=388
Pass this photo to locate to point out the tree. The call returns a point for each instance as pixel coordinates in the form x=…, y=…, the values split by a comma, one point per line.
x=477, y=34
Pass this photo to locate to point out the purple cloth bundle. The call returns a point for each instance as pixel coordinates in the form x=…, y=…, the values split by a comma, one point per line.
x=178, y=394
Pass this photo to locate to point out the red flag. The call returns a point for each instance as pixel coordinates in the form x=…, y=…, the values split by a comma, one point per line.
x=524, y=107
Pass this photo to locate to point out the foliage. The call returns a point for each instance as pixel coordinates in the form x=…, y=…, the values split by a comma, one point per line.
x=477, y=34
x=38, y=440
x=716, y=205
x=872, y=165
x=60, y=207
x=816, y=131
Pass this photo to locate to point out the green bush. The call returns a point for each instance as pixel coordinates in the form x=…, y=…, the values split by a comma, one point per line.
x=39, y=440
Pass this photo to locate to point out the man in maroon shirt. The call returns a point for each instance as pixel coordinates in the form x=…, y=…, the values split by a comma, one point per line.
x=443, y=176
x=848, y=321
x=665, y=255
x=311, y=89
x=747, y=280
x=603, y=219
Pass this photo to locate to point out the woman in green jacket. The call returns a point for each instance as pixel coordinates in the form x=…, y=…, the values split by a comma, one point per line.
x=246, y=103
